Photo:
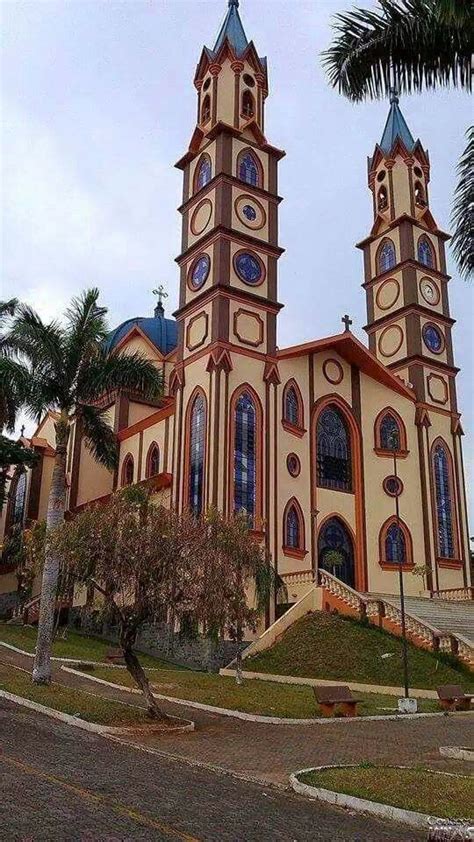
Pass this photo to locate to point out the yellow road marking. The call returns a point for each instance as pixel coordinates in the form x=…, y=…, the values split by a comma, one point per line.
x=87, y=795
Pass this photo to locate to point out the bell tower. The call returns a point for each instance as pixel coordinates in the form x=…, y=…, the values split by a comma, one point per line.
x=228, y=301
x=410, y=328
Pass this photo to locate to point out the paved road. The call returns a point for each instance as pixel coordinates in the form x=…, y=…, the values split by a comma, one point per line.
x=58, y=783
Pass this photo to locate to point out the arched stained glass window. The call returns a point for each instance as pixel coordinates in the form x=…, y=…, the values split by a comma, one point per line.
x=127, y=470
x=292, y=529
x=292, y=414
x=196, y=454
x=336, y=550
x=386, y=259
x=204, y=173
x=425, y=252
x=153, y=461
x=389, y=433
x=248, y=169
x=444, y=504
x=20, y=498
x=245, y=456
x=395, y=545
x=333, y=449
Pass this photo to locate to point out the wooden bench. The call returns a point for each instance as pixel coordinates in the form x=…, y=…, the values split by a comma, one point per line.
x=453, y=697
x=328, y=697
x=114, y=656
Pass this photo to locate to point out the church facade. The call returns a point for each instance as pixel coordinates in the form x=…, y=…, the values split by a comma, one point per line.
x=315, y=442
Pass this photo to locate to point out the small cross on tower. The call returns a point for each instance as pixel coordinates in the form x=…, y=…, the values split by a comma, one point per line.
x=22, y=431
x=347, y=322
x=160, y=293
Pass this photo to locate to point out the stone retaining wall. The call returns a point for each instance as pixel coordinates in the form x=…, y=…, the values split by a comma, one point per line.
x=159, y=640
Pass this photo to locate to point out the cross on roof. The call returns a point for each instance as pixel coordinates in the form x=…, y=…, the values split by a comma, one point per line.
x=347, y=322
x=160, y=293
x=22, y=431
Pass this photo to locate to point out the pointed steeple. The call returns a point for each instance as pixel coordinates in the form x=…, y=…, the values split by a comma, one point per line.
x=395, y=127
x=232, y=29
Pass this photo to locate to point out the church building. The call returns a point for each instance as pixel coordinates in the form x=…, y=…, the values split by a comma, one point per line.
x=315, y=442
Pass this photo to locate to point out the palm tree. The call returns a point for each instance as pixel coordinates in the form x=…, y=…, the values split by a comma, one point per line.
x=14, y=376
x=411, y=45
x=70, y=371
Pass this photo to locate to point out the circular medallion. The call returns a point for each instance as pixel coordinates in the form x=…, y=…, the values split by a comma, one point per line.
x=387, y=294
x=390, y=340
x=393, y=486
x=199, y=272
x=433, y=338
x=293, y=464
x=201, y=217
x=249, y=268
x=333, y=371
x=429, y=291
x=250, y=212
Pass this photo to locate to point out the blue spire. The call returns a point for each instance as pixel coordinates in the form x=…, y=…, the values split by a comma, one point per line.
x=395, y=127
x=233, y=30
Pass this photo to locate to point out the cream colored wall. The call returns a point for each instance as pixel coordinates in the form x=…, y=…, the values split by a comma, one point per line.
x=386, y=295
x=387, y=338
x=199, y=214
x=94, y=480
x=137, y=344
x=46, y=430
x=379, y=506
x=130, y=445
x=225, y=94
x=401, y=187
x=249, y=325
x=137, y=411
x=417, y=232
x=261, y=233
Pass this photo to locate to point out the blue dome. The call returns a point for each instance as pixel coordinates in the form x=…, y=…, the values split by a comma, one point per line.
x=162, y=332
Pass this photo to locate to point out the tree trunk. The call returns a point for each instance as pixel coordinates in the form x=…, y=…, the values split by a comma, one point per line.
x=128, y=636
x=49, y=584
x=238, y=660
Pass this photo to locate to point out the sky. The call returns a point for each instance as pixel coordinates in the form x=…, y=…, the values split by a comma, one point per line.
x=97, y=104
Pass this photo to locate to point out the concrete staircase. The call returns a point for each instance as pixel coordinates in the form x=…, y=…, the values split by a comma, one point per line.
x=448, y=616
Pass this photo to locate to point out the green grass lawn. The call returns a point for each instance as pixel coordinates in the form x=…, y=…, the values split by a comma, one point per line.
x=73, y=646
x=68, y=700
x=332, y=647
x=266, y=698
x=411, y=789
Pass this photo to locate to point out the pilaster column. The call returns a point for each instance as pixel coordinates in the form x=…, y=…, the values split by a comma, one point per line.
x=237, y=67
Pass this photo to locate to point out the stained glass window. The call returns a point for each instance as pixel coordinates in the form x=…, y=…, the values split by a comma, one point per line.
x=425, y=252
x=249, y=212
x=245, y=456
x=200, y=271
x=248, y=170
x=127, y=470
x=444, y=512
x=387, y=257
x=196, y=454
x=204, y=172
x=389, y=433
x=333, y=451
x=292, y=528
x=20, y=498
x=433, y=338
x=153, y=466
x=335, y=551
x=248, y=268
x=395, y=546
x=291, y=406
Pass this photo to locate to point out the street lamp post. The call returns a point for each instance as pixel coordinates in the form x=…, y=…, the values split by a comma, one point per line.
x=394, y=442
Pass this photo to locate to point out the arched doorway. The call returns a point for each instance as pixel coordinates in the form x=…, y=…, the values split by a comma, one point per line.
x=336, y=550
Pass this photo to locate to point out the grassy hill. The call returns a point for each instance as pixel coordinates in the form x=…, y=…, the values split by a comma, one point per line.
x=328, y=646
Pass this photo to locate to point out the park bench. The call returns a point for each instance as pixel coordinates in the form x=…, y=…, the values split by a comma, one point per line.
x=329, y=697
x=453, y=697
x=114, y=656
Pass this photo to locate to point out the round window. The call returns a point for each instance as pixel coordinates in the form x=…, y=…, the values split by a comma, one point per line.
x=200, y=271
x=381, y=175
x=393, y=486
x=248, y=267
x=433, y=338
x=249, y=212
x=418, y=172
x=293, y=464
x=249, y=80
x=206, y=84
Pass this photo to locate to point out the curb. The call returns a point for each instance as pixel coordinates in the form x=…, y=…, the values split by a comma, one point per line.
x=266, y=720
x=457, y=752
x=421, y=821
x=77, y=722
x=316, y=682
x=78, y=660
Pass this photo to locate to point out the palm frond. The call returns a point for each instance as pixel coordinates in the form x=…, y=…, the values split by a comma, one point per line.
x=463, y=210
x=7, y=308
x=86, y=330
x=15, y=384
x=42, y=344
x=99, y=437
x=410, y=44
x=107, y=372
